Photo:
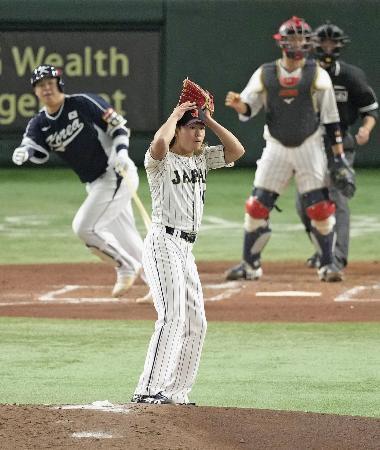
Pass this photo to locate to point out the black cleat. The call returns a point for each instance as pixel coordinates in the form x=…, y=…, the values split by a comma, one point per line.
x=158, y=399
x=139, y=398
x=244, y=271
x=314, y=261
x=330, y=273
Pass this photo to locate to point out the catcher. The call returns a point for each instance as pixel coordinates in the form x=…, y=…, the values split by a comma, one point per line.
x=177, y=163
x=298, y=97
x=354, y=98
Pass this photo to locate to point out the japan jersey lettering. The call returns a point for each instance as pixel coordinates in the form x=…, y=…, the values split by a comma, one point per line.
x=178, y=185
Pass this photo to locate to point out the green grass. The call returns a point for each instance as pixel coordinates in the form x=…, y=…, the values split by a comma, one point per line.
x=330, y=368
x=37, y=207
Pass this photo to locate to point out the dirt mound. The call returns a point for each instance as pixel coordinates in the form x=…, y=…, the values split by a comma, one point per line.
x=182, y=427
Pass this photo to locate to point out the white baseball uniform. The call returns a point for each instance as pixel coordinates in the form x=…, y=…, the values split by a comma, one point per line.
x=307, y=161
x=178, y=185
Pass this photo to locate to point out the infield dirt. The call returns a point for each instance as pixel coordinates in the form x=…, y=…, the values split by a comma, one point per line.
x=39, y=291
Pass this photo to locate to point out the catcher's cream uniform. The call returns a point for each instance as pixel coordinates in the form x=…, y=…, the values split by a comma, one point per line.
x=307, y=162
x=178, y=185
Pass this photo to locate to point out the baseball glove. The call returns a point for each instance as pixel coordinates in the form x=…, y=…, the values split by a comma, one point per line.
x=192, y=92
x=343, y=176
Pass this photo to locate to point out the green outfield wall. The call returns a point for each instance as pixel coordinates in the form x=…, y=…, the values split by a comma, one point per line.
x=217, y=43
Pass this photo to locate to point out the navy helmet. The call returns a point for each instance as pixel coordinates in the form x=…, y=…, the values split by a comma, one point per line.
x=331, y=32
x=47, y=71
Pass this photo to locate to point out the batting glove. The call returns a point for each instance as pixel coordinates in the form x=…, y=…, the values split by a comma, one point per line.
x=20, y=155
x=121, y=161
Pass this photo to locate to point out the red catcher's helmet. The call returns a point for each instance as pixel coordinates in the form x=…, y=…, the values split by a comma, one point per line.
x=294, y=27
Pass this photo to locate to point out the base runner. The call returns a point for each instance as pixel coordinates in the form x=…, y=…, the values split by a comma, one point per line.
x=85, y=132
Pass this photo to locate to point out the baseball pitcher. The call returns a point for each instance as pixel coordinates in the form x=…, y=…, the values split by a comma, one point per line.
x=177, y=163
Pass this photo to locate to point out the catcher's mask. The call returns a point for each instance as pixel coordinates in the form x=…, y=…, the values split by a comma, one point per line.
x=189, y=118
x=329, y=32
x=294, y=27
x=46, y=71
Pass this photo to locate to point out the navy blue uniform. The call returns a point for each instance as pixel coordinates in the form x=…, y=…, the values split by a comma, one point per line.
x=87, y=134
x=78, y=133
x=355, y=98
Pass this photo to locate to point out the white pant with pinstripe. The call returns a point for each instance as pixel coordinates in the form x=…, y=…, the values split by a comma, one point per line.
x=175, y=348
x=278, y=164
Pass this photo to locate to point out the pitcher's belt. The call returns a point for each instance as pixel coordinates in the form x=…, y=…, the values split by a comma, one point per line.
x=188, y=237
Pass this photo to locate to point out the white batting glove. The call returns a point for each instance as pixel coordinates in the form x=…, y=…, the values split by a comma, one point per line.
x=121, y=161
x=20, y=155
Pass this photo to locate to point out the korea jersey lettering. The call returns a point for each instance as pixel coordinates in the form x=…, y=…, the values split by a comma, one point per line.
x=80, y=133
x=178, y=186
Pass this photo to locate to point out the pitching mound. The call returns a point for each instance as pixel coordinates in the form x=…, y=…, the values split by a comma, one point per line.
x=181, y=427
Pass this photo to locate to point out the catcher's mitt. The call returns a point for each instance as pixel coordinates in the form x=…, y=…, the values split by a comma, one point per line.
x=192, y=92
x=343, y=176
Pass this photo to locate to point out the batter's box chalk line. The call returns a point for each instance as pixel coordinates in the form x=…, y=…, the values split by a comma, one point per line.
x=55, y=296
x=288, y=294
x=52, y=296
x=349, y=295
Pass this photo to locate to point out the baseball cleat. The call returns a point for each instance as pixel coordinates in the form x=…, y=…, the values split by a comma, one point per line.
x=330, y=273
x=123, y=284
x=148, y=298
x=244, y=271
x=314, y=261
x=139, y=398
x=158, y=399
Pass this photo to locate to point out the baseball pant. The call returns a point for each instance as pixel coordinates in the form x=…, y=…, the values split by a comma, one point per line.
x=278, y=164
x=175, y=347
x=105, y=220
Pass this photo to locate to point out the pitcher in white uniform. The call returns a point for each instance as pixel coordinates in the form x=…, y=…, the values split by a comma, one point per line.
x=177, y=163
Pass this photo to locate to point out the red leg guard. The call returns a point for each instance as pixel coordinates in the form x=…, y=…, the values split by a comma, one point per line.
x=321, y=210
x=256, y=209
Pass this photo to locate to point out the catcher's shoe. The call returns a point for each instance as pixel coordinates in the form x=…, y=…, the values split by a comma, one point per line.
x=314, y=261
x=148, y=298
x=244, y=271
x=330, y=273
x=123, y=283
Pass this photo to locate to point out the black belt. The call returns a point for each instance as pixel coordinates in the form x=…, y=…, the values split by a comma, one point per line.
x=188, y=237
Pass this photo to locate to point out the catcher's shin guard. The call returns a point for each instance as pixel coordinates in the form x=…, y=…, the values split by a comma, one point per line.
x=325, y=244
x=254, y=243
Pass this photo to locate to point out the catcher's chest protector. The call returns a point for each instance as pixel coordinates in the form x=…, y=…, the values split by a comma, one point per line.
x=290, y=113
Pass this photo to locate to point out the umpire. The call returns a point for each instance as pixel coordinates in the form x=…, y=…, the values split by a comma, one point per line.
x=354, y=98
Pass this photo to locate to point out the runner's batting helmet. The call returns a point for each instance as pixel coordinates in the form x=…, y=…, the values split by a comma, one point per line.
x=294, y=27
x=46, y=71
x=329, y=32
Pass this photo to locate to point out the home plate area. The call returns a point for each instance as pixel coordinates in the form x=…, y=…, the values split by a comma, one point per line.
x=288, y=291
